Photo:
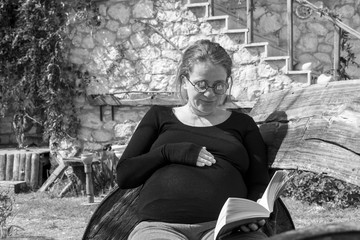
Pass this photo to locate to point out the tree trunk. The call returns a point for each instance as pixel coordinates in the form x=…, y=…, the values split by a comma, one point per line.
x=315, y=128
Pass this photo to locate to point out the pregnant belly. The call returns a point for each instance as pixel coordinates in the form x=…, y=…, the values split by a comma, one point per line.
x=179, y=193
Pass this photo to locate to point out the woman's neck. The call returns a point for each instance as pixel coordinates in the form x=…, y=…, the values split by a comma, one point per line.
x=189, y=116
x=196, y=113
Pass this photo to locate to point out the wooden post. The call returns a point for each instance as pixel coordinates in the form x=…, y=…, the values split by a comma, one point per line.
x=101, y=112
x=54, y=175
x=337, y=38
x=87, y=160
x=34, y=181
x=28, y=168
x=250, y=20
x=9, y=166
x=41, y=168
x=22, y=167
x=2, y=167
x=290, y=33
x=16, y=167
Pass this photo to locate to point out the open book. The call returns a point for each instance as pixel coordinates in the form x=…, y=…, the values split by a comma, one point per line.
x=239, y=211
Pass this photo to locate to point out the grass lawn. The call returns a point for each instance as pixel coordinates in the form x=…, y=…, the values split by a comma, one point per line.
x=40, y=214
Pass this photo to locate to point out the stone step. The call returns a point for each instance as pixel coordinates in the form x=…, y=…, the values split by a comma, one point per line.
x=237, y=35
x=236, y=22
x=201, y=7
x=200, y=10
x=225, y=21
x=303, y=77
x=260, y=45
x=249, y=54
x=13, y=186
x=219, y=23
x=279, y=63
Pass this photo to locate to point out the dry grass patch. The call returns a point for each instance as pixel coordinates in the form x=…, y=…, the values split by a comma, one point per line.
x=41, y=214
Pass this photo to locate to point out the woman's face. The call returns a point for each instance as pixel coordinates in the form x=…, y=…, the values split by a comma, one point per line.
x=204, y=103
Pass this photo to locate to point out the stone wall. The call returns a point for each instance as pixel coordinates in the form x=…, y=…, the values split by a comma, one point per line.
x=135, y=47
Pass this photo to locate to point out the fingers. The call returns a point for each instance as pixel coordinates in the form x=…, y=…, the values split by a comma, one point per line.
x=249, y=228
x=205, y=158
x=252, y=226
x=244, y=228
x=261, y=222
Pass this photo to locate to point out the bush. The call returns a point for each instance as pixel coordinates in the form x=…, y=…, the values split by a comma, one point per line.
x=315, y=188
x=6, y=208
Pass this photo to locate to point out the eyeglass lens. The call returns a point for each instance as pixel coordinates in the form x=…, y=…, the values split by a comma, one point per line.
x=218, y=87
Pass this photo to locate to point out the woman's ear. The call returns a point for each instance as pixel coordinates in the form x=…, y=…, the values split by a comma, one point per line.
x=183, y=82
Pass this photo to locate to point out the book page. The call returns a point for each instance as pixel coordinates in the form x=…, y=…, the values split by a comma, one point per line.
x=239, y=211
x=274, y=189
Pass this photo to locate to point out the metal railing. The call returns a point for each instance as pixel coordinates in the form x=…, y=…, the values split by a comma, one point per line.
x=338, y=25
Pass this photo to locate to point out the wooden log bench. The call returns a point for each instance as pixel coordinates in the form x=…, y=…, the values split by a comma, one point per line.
x=314, y=129
x=23, y=165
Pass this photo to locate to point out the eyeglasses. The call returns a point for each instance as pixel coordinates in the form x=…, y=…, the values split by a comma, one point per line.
x=219, y=87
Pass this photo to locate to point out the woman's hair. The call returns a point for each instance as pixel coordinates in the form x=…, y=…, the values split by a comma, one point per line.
x=203, y=51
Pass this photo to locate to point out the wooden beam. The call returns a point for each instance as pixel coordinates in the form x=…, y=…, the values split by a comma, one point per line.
x=314, y=128
x=54, y=175
x=2, y=167
x=146, y=100
x=109, y=100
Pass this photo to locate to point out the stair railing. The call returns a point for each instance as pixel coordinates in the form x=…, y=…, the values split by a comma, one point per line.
x=338, y=24
x=339, y=27
x=250, y=19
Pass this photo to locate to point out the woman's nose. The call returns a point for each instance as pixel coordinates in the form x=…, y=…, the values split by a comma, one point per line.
x=209, y=92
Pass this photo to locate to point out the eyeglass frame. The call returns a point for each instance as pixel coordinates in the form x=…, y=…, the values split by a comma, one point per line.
x=208, y=86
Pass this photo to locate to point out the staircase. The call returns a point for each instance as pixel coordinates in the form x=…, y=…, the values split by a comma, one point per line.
x=271, y=63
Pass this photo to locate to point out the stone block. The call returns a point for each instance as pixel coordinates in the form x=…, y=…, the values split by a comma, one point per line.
x=13, y=186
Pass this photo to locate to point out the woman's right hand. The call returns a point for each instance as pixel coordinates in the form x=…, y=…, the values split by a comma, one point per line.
x=252, y=226
x=205, y=158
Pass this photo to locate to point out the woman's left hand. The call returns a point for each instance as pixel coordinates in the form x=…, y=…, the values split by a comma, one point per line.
x=251, y=227
x=205, y=158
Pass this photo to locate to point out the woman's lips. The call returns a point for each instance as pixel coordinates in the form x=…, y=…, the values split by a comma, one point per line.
x=208, y=101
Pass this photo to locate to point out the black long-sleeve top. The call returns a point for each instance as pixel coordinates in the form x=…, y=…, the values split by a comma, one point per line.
x=162, y=154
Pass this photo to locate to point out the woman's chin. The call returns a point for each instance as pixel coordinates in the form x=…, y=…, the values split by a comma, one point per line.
x=205, y=110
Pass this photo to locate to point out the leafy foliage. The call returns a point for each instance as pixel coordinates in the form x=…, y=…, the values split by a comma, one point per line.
x=348, y=57
x=6, y=209
x=35, y=83
x=323, y=190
